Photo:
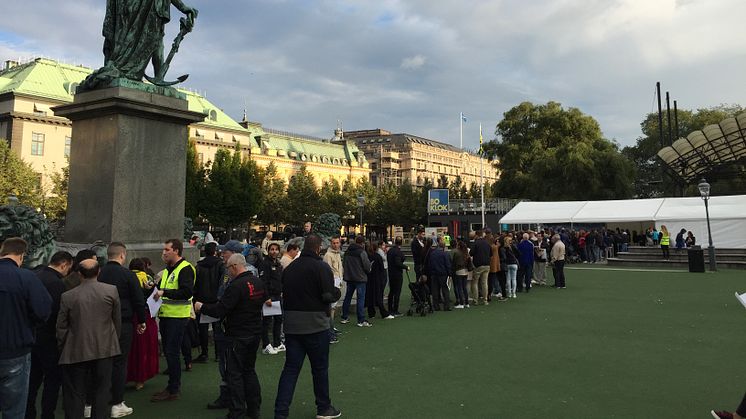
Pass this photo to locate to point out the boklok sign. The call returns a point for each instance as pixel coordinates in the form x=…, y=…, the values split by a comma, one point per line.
x=437, y=200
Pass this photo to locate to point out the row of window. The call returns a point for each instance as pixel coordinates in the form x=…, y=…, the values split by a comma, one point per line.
x=37, y=144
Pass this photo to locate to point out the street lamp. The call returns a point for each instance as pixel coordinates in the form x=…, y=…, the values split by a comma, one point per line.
x=704, y=191
x=360, y=205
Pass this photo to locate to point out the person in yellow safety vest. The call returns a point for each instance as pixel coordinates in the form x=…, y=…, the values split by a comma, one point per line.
x=176, y=289
x=665, y=239
x=447, y=240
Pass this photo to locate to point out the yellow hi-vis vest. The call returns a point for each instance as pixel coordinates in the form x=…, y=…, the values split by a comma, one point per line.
x=175, y=308
x=665, y=240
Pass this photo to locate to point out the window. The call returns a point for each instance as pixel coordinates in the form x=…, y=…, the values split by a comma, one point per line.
x=37, y=144
x=68, y=142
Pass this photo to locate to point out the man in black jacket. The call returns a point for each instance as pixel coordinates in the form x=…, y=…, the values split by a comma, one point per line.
x=241, y=305
x=24, y=305
x=396, y=268
x=481, y=254
x=132, y=304
x=356, y=266
x=45, y=355
x=308, y=291
x=210, y=271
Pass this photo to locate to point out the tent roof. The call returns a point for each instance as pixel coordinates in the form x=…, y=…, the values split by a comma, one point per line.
x=630, y=210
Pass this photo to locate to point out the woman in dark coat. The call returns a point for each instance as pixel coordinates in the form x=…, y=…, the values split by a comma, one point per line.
x=376, y=283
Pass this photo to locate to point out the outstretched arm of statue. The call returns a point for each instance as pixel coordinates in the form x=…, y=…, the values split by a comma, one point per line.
x=190, y=12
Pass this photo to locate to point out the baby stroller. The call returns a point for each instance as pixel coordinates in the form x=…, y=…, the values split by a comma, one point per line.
x=421, y=302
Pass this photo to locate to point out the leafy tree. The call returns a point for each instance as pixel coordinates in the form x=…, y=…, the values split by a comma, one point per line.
x=331, y=197
x=271, y=210
x=651, y=179
x=302, y=198
x=457, y=189
x=17, y=176
x=55, y=205
x=195, y=183
x=546, y=152
x=411, y=207
x=474, y=191
x=232, y=189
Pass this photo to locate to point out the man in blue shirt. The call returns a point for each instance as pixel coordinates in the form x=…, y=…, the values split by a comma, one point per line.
x=24, y=305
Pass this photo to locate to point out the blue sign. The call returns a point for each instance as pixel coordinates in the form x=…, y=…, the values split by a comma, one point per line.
x=437, y=201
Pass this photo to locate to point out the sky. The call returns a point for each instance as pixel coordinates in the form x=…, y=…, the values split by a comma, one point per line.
x=414, y=65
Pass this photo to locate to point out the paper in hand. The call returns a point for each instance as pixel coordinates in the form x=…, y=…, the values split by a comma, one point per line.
x=273, y=310
x=154, y=305
x=204, y=318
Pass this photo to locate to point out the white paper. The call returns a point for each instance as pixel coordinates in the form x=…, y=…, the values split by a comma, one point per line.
x=741, y=299
x=338, y=282
x=204, y=318
x=154, y=305
x=274, y=310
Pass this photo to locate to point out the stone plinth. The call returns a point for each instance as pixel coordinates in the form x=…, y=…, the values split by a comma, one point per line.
x=127, y=166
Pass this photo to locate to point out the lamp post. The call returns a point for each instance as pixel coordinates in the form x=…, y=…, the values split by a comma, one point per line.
x=360, y=205
x=704, y=191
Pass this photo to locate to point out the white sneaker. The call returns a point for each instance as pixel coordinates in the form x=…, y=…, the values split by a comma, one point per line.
x=389, y=317
x=280, y=348
x=468, y=306
x=499, y=295
x=458, y=306
x=120, y=410
x=344, y=321
x=269, y=350
x=364, y=324
x=87, y=411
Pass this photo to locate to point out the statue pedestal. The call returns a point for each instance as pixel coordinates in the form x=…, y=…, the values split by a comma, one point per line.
x=127, y=166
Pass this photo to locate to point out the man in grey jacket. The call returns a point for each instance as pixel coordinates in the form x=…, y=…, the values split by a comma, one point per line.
x=356, y=267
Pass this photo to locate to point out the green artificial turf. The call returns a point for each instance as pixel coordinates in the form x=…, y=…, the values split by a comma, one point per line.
x=614, y=344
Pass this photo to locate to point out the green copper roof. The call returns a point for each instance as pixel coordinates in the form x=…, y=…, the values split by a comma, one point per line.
x=52, y=80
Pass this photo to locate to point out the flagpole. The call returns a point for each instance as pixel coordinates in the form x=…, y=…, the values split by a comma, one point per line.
x=461, y=129
x=481, y=171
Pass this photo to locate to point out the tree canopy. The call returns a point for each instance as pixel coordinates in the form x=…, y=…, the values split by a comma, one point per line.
x=19, y=178
x=547, y=152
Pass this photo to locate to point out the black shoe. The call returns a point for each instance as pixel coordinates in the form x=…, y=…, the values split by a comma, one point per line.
x=330, y=413
x=217, y=404
x=202, y=359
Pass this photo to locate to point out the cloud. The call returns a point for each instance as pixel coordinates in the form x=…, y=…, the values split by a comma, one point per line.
x=413, y=65
x=414, y=62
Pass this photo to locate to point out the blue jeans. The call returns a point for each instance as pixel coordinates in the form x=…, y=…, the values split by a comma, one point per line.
x=316, y=347
x=14, y=376
x=172, y=334
x=359, y=289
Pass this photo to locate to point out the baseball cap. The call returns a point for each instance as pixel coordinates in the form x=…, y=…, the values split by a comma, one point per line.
x=232, y=246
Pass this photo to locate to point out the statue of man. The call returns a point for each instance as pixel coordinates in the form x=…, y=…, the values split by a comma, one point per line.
x=133, y=36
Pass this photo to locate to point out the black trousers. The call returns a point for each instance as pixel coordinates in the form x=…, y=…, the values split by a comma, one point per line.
x=558, y=269
x=44, y=370
x=276, y=323
x=439, y=289
x=395, y=283
x=204, y=336
x=75, y=379
x=374, y=298
x=243, y=383
x=503, y=281
x=119, y=363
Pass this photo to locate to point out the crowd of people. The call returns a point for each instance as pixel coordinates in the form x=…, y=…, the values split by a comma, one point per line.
x=84, y=328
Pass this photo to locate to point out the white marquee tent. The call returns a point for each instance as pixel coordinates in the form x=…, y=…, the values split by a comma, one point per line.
x=727, y=216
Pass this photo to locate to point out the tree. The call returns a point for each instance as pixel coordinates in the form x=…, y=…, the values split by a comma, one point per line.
x=457, y=189
x=232, y=189
x=55, y=205
x=17, y=177
x=546, y=152
x=331, y=198
x=651, y=179
x=411, y=208
x=271, y=210
x=195, y=183
x=303, y=197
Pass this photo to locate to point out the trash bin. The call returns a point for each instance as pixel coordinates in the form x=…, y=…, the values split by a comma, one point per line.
x=696, y=259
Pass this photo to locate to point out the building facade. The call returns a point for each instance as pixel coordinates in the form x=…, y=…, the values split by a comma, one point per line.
x=29, y=91
x=398, y=157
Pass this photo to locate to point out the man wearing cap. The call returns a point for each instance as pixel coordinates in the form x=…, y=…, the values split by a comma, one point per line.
x=218, y=333
x=176, y=289
x=241, y=305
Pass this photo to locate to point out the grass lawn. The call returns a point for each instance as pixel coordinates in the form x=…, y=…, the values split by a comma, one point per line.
x=619, y=344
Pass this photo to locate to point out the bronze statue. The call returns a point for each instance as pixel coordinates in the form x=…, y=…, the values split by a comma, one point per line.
x=133, y=36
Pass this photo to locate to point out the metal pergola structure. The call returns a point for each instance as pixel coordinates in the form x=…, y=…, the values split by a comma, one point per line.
x=707, y=150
